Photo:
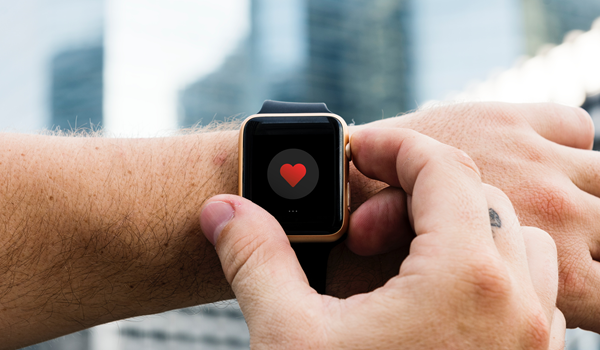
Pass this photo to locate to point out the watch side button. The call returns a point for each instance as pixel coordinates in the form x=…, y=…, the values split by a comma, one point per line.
x=348, y=194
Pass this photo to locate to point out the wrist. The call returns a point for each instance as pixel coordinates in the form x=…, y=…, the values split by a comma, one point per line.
x=192, y=169
x=142, y=235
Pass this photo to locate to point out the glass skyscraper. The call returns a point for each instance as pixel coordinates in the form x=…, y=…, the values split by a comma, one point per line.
x=76, y=88
x=350, y=55
x=376, y=59
x=51, y=63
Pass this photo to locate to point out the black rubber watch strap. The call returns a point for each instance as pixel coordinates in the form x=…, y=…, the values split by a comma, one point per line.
x=313, y=259
x=312, y=256
x=270, y=106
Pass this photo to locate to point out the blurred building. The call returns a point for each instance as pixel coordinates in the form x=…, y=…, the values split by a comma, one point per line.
x=51, y=63
x=380, y=58
x=454, y=42
x=349, y=54
x=75, y=341
x=221, y=94
x=547, y=21
x=209, y=327
x=358, y=57
x=592, y=105
x=76, y=90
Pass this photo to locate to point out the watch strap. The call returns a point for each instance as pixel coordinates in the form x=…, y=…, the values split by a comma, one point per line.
x=313, y=257
x=270, y=107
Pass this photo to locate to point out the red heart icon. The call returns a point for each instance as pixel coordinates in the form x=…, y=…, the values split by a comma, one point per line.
x=292, y=174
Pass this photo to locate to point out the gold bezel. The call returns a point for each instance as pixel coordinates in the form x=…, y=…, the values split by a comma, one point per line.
x=346, y=214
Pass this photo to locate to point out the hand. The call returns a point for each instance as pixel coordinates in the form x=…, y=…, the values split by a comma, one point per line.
x=538, y=154
x=459, y=287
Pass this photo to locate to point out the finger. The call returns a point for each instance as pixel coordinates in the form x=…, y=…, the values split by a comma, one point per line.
x=557, y=331
x=570, y=216
x=255, y=252
x=506, y=230
x=380, y=224
x=447, y=195
x=543, y=267
x=568, y=126
x=582, y=168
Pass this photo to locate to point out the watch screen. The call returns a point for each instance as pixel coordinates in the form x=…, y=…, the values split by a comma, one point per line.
x=293, y=168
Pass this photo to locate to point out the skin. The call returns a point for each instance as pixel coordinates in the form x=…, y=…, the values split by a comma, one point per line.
x=539, y=155
x=95, y=230
x=474, y=277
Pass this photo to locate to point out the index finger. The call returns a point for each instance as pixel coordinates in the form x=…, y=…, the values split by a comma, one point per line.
x=448, y=199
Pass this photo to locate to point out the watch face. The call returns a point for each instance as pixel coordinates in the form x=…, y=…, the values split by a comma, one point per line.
x=293, y=168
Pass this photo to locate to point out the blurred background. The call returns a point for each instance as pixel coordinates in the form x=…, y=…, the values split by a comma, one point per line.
x=138, y=68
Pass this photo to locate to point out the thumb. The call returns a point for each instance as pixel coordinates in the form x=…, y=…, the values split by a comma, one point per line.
x=255, y=253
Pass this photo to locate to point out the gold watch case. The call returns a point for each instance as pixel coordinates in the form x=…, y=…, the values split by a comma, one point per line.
x=346, y=187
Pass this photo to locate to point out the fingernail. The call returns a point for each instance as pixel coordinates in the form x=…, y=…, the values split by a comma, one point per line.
x=213, y=218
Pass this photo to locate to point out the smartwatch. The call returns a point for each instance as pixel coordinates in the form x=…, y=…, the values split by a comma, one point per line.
x=293, y=162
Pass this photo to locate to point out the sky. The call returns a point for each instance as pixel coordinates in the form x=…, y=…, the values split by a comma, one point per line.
x=156, y=48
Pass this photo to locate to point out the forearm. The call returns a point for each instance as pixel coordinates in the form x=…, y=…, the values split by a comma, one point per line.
x=98, y=229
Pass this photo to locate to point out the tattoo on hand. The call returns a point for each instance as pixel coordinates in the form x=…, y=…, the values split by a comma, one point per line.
x=495, y=218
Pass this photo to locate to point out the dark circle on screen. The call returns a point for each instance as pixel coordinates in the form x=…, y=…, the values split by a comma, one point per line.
x=305, y=186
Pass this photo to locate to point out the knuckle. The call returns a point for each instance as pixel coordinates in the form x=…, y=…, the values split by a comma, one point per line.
x=573, y=283
x=559, y=320
x=505, y=114
x=537, y=330
x=583, y=115
x=489, y=281
x=491, y=291
x=496, y=194
x=535, y=152
x=541, y=238
x=587, y=129
x=574, y=116
x=549, y=204
x=455, y=156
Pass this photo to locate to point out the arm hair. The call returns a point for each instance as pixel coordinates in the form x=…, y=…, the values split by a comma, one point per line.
x=98, y=229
